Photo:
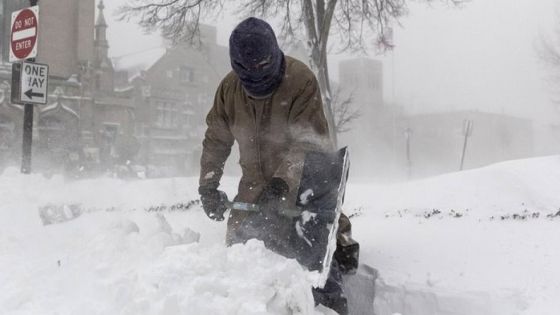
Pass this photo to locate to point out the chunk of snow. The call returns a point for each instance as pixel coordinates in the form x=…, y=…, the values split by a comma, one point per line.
x=306, y=216
x=305, y=196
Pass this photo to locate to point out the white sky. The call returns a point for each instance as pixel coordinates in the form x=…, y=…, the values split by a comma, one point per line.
x=479, y=57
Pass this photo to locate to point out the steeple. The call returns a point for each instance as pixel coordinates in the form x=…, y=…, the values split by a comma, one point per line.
x=101, y=17
x=101, y=28
x=102, y=64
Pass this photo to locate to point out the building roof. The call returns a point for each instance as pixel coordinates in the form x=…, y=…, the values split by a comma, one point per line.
x=58, y=106
x=137, y=62
x=210, y=54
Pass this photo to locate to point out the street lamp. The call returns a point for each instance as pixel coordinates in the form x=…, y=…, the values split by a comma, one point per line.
x=408, y=135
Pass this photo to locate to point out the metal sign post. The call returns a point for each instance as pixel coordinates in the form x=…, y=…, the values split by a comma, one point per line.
x=467, y=132
x=29, y=87
x=27, y=139
x=28, y=80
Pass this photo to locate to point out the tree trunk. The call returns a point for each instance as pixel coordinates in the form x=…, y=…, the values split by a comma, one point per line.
x=325, y=86
x=317, y=25
x=320, y=66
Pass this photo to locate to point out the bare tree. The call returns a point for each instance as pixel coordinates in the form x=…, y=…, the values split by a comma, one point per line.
x=549, y=53
x=350, y=20
x=343, y=110
x=178, y=20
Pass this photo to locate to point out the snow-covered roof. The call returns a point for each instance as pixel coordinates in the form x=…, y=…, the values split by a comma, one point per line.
x=124, y=89
x=136, y=62
x=58, y=106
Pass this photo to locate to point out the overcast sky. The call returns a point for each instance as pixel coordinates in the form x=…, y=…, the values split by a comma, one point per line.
x=479, y=57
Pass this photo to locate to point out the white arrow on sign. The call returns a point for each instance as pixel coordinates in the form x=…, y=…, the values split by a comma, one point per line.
x=34, y=83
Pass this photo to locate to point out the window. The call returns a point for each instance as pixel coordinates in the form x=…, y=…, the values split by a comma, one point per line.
x=109, y=135
x=186, y=74
x=110, y=132
x=167, y=116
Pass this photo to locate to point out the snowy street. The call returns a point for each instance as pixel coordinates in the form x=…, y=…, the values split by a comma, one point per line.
x=476, y=242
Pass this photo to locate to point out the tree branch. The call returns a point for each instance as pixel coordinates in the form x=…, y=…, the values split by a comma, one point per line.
x=178, y=20
x=343, y=111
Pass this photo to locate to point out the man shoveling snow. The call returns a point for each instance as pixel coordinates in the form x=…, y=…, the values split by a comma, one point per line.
x=271, y=105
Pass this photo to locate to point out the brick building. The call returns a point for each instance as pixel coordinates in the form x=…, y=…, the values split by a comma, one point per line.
x=172, y=97
x=85, y=119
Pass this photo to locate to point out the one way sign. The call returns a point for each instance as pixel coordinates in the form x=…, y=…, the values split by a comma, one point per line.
x=33, y=83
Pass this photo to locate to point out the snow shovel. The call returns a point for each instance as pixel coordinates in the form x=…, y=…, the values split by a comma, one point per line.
x=308, y=231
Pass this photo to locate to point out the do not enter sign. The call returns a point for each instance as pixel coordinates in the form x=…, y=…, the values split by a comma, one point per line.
x=25, y=25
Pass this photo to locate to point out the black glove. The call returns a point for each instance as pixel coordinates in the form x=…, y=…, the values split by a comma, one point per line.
x=268, y=225
x=275, y=191
x=213, y=202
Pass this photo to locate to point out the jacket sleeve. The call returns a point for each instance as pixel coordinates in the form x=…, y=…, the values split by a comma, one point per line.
x=308, y=130
x=217, y=143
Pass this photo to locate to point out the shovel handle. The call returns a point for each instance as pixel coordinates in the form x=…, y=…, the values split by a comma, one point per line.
x=251, y=207
x=242, y=206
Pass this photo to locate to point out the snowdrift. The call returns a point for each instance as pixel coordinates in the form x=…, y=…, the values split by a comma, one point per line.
x=124, y=260
x=474, y=242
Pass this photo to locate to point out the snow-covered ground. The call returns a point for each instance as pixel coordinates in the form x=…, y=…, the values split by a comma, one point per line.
x=475, y=242
x=459, y=243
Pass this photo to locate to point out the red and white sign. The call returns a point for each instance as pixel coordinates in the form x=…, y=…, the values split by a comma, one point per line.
x=25, y=26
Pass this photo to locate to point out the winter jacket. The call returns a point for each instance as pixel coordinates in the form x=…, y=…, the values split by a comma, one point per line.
x=273, y=133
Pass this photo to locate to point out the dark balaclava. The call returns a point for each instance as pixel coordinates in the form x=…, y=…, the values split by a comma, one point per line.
x=256, y=57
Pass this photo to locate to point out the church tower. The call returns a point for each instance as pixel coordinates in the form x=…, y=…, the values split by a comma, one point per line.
x=103, y=67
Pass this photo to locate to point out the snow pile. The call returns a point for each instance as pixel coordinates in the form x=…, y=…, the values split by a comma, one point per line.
x=448, y=245
x=453, y=244
x=244, y=280
x=131, y=261
x=500, y=188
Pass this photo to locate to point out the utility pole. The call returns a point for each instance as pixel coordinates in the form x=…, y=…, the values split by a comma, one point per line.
x=408, y=135
x=467, y=132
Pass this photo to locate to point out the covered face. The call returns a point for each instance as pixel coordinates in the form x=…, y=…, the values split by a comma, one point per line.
x=256, y=57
